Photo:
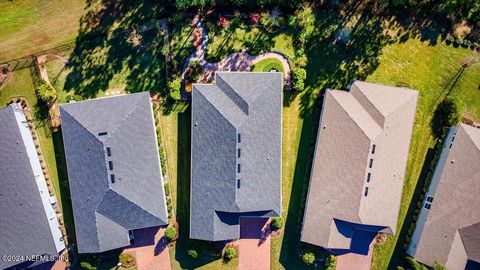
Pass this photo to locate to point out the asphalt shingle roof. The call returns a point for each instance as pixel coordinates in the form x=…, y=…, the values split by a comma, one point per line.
x=113, y=169
x=241, y=112
x=340, y=198
x=24, y=226
x=451, y=234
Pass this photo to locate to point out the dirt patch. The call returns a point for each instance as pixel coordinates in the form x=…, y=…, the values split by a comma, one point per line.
x=468, y=118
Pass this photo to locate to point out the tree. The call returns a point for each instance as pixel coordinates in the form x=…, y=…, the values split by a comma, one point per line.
x=308, y=258
x=230, y=253
x=450, y=114
x=174, y=88
x=193, y=253
x=45, y=91
x=276, y=224
x=170, y=233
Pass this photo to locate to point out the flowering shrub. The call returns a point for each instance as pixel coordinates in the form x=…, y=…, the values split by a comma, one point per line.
x=223, y=22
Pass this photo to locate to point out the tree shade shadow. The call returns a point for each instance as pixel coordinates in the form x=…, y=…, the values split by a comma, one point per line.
x=103, y=56
x=207, y=252
x=64, y=186
x=331, y=65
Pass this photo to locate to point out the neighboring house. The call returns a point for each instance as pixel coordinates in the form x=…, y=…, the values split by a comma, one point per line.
x=236, y=152
x=28, y=222
x=448, y=226
x=114, y=171
x=359, y=166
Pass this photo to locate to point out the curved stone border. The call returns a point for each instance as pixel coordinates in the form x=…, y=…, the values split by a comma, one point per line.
x=241, y=61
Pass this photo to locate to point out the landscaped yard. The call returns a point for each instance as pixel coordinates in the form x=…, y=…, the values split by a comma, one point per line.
x=110, y=61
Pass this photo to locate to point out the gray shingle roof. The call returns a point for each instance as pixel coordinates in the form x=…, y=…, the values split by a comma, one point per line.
x=242, y=104
x=24, y=226
x=352, y=123
x=104, y=212
x=451, y=233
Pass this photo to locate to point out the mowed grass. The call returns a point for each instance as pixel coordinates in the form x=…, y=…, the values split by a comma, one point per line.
x=257, y=40
x=267, y=65
x=176, y=132
x=428, y=69
x=31, y=26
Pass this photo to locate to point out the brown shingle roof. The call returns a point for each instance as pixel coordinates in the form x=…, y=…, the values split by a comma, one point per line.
x=451, y=233
x=351, y=123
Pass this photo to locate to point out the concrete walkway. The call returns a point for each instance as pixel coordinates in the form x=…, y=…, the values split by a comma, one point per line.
x=150, y=249
x=241, y=61
x=359, y=256
x=254, y=244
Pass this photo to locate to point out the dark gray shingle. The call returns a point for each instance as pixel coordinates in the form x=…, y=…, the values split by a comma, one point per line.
x=242, y=104
x=23, y=221
x=105, y=210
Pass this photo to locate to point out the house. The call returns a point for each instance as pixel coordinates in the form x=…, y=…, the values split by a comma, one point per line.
x=113, y=168
x=28, y=223
x=236, y=152
x=359, y=166
x=448, y=226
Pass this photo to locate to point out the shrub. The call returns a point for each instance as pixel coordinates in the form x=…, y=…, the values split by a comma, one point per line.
x=467, y=43
x=174, y=88
x=301, y=61
x=127, y=259
x=87, y=266
x=169, y=207
x=193, y=253
x=276, y=224
x=45, y=91
x=449, y=39
x=308, y=258
x=330, y=262
x=167, y=189
x=475, y=45
x=458, y=41
x=298, y=79
x=170, y=233
x=230, y=253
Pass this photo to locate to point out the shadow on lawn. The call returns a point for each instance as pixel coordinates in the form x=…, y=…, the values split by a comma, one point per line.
x=331, y=65
x=103, y=57
x=207, y=253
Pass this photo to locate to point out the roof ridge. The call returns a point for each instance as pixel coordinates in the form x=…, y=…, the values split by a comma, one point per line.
x=127, y=115
x=86, y=129
x=216, y=109
x=148, y=212
x=350, y=115
x=233, y=95
x=468, y=131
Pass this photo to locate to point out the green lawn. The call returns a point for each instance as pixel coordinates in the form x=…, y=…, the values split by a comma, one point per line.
x=176, y=131
x=31, y=26
x=257, y=40
x=427, y=69
x=267, y=65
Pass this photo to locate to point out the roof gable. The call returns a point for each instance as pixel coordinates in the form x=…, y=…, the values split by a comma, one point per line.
x=236, y=151
x=110, y=172
x=356, y=128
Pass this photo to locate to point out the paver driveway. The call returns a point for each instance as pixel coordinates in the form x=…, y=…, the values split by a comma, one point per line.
x=151, y=249
x=360, y=255
x=254, y=244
